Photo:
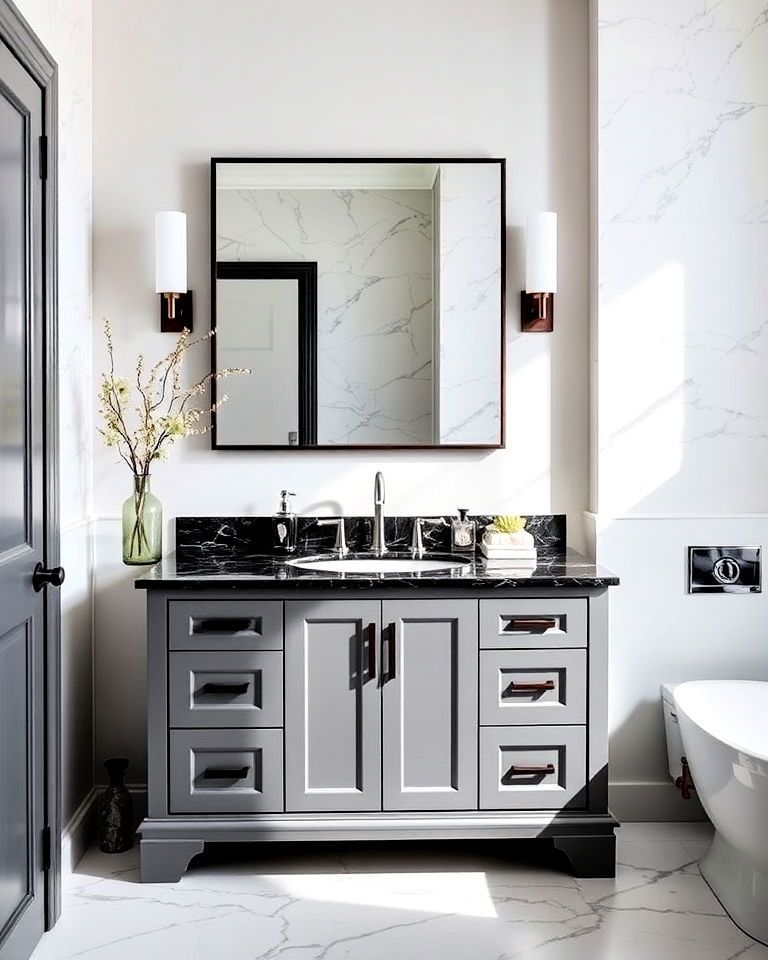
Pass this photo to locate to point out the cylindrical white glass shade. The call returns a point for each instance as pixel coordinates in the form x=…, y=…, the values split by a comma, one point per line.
x=170, y=252
x=541, y=253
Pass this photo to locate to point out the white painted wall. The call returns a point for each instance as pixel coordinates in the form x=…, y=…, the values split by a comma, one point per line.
x=180, y=81
x=682, y=340
x=64, y=28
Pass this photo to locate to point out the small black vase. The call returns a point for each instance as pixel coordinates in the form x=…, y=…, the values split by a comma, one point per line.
x=116, y=810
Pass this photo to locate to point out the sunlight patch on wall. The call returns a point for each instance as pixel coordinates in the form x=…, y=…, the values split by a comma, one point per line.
x=642, y=370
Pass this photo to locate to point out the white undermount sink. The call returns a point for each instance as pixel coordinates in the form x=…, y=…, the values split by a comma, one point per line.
x=375, y=565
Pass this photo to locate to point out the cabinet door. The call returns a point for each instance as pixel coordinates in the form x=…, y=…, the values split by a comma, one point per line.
x=429, y=657
x=332, y=706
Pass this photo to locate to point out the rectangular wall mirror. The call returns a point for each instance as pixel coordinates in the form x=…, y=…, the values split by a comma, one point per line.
x=367, y=298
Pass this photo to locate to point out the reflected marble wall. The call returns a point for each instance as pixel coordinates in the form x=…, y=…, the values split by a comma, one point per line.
x=375, y=298
x=470, y=294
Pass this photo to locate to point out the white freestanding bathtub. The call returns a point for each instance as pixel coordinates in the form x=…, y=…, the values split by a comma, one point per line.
x=724, y=725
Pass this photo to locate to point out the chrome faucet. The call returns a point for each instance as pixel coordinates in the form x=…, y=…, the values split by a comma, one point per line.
x=417, y=539
x=340, y=547
x=379, y=542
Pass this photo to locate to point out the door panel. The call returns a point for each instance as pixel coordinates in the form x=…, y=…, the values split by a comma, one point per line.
x=22, y=691
x=14, y=454
x=332, y=706
x=14, y=760
x=430, y=705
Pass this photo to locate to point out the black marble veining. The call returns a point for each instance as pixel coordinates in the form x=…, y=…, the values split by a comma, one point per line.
x=248, y=536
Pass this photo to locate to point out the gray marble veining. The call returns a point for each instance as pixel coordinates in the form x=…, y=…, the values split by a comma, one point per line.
x=370, y=902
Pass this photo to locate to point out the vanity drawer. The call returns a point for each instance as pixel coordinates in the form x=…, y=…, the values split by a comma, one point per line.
x=533, y=686
x=548, y=622
x=533, y=768
x=225, y=624
x=226, y=771
x=226, y=689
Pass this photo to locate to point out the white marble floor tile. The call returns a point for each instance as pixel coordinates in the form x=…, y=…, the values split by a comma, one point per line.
x=379, y=902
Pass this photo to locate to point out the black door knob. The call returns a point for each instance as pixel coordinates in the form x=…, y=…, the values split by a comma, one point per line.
x=41, y=576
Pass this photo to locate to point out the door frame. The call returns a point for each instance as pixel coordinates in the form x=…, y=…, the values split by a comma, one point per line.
x=17, y=34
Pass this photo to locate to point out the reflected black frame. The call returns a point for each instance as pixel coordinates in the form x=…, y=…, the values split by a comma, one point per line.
x=314, y=445
x=305, y=272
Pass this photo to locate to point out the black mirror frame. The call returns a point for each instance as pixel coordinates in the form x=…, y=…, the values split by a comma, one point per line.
x=307, y=376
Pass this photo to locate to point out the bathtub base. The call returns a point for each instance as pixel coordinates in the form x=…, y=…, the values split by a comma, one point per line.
x=740, y=887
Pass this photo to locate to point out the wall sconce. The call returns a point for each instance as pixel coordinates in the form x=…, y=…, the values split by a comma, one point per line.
x=171, y=271
x=537, y=301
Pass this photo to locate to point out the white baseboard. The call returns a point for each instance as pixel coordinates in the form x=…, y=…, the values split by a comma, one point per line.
x=82, y=829
x=79, y=832
x=651, y=800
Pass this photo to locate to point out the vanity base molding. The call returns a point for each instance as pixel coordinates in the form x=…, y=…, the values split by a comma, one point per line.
x=167, y=846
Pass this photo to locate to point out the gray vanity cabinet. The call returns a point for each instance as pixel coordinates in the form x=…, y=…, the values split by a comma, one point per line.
x=281, y=713
x=389, y=724
x=429, y=704
x=332, y=706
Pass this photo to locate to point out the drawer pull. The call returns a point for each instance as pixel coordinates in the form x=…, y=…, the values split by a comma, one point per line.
x=531, y=623
x=235, y=689
x=225, y=773
x=371, y=631
x=542, y=769
x=392, y=650
x=227, y=626
x=543, y=685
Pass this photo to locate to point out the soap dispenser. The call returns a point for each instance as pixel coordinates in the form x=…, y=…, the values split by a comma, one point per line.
x=284, y=526
x=463, y=532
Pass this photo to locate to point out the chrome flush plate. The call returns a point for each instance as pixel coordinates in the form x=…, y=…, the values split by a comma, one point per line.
x=724, y=570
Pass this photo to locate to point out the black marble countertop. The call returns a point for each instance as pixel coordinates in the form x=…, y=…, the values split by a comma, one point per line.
x=213, y=568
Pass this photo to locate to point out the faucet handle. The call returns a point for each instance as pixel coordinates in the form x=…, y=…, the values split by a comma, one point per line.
x=340, y=546
x=417, y=540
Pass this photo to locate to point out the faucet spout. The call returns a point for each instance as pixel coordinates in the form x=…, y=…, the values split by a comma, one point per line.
x=379, y=541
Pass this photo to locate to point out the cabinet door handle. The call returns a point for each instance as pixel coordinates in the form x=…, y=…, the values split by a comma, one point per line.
x=544, y=685
x=392, y=651
x=225, y=773
x=371, y=631
x=233, y=688
x=543, y=768
x=532, y=623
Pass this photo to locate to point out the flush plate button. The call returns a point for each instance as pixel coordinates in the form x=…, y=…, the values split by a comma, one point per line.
x=724, y=570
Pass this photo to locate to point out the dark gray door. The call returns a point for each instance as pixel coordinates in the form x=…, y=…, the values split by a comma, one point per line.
x=332, y=706
x=430, y=704
x=22, y=769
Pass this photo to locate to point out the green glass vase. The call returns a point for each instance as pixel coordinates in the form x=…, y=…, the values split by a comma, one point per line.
x=142, y=524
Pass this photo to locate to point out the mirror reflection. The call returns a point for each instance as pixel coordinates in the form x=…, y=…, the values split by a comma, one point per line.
x=366, y=297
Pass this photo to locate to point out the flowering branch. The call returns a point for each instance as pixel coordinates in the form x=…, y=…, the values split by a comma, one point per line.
x=162, y=415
